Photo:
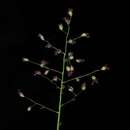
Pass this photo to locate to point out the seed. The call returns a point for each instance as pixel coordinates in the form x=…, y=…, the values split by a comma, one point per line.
x=71, y=68
x=85, y=35
x=37, y=72
x=25, y=60
x=55, y=78
x=46, y=72
x=103, y=68
x=61, y=27
x=83, y=86
x=70, y=12
x=41, y=37
x=71, y=89
x=80, y=60
x=29, y=108
x=21, y=94
x=68, y=69
x=93, y=77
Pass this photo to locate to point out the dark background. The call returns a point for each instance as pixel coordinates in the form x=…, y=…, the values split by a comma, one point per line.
x=21, y=22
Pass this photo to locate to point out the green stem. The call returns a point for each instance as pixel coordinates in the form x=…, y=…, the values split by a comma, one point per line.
x=62, y=80
x=81, y=76
x=42, y=106
x=51, y=81
x=32, y=62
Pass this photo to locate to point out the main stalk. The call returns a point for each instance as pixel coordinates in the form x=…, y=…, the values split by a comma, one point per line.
x=62, y=80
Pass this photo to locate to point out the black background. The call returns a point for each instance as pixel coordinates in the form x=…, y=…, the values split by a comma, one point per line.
x=21, y=22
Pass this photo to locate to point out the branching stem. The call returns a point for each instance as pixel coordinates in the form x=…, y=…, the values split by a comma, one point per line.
x=42, y=106
x=82, y=76
x=50, y=81
x=55, y=48
x=72, y=99
x=45, y=67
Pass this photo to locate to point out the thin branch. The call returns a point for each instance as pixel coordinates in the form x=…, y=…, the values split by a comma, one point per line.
x=42, y=106
x=73, y=93
x=79, y=37
x=50, y=81
x=44, y=67
x=49, y=109
x=72, y=99
x=52, y=46
x=74, y=39
x=82, y=76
